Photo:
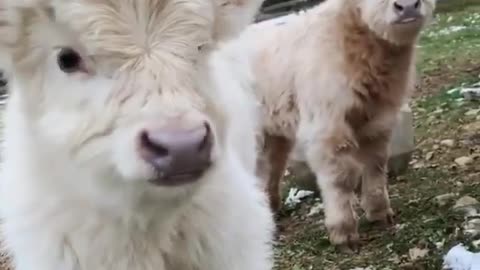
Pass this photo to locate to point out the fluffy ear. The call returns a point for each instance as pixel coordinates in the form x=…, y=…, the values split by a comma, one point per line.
x=233, y=16
x=13, y=17
x=9, y=34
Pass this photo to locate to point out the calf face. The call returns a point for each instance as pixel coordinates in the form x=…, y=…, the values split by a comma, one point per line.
x=115, y=89
x=398, y=21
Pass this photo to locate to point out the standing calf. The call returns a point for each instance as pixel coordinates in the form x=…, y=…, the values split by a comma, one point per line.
x=122, y=137
x=332, y=81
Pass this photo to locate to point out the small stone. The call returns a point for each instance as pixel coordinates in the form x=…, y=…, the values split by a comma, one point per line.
x=448, y=143
x=435, y=147
x=419, y=165
x=440, y=244
x=463, y=161
x=465, y=201
x=316, y=209
x=476, y=243
x=472, y=112
x=429, y=156
x=417, y=253
x=438, y=111
x=443, y=199
x=472, y=227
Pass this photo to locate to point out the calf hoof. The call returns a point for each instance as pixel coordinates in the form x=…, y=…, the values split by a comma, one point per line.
x=349, y=248
x=345, y=238
x=384, y=218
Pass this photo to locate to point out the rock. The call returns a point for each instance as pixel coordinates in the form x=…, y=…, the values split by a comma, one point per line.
x=440, y=244
x=438, y=111
x=471, y=93
x=448, y=143
x=463, y=161
x=429, y=156
x=316, y=209
x=465, y=201
x=295, y=196
x=472, y=227
x=472, y=112
x=443, y=199
x=419, y=165
x=402, y=144
x=476, y=243
x=417, y=253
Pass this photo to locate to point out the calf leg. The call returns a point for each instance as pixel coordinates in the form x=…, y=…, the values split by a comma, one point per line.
x=276, y=151
x=374, y=196
x=337, y=174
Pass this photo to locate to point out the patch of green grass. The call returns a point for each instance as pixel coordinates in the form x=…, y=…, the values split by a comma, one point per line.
x=453, y=37
x=455, y=5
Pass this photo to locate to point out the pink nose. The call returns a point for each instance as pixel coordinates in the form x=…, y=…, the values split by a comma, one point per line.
x=178, y=155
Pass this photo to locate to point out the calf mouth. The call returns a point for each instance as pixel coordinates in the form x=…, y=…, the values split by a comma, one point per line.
x=409, y=18
x=177, y=178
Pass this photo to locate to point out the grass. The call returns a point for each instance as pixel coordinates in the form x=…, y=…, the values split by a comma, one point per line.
x=449, y=57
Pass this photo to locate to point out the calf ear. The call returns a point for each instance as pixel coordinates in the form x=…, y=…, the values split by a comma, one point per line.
x=9, y=34
x=233, y=16
x=14, y=15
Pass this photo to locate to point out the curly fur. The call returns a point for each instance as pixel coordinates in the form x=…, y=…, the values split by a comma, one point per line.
x=74, y=192
x=331, y=81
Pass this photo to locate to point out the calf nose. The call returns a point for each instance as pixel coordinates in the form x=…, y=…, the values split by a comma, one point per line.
x=406, y=6
x=177, y=154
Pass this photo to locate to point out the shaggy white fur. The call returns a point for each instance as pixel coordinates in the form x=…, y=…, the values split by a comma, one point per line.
x=75, y=193
x=331, y=81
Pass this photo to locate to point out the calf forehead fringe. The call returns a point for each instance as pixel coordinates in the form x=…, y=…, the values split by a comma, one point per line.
x=162, y=34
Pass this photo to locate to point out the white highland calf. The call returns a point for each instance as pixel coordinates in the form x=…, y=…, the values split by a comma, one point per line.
x=332, y=81
x=122, y=143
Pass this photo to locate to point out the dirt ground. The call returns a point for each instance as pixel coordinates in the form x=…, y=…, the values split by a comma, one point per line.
x=447, y=127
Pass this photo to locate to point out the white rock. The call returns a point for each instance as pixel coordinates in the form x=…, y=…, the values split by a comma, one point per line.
x=476, y=243
x=448, y=143
x=316, y=209
x=472, y=112
x=438, y=111
x=465, y=201
x=295, y=196
x=444, y=198
x=417, y=253
x=464, y=161
x=429, y=156
x=472, y=227
x=440, y=244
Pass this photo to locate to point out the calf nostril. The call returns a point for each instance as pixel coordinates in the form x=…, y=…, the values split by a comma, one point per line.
x=397, y=6
x=206, y=143
x=154, y=148
x=177, y=152
x=417, y=4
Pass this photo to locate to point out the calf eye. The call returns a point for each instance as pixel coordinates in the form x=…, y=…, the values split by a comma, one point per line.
x=69, y=61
